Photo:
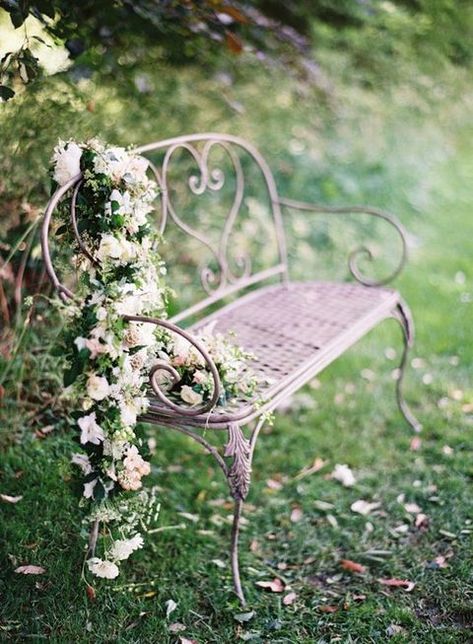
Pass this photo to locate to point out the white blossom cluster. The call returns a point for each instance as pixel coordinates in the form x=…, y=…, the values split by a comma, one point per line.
x=111, y=359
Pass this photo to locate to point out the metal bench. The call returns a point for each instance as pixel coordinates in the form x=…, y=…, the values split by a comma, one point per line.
x=294, y=329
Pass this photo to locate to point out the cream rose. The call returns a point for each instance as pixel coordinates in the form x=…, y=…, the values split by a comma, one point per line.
x=66, y=162
x=97, y=387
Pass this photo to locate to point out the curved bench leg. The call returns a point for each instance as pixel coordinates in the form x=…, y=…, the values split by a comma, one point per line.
x=403, y=315
x=238, y=476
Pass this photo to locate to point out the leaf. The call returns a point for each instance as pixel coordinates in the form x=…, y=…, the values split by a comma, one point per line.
x=90, y=590
x=317, y=465
x=177, y=627
x=412, y=508
x=30, y=570
x=234, y=13
x=10, y=499
x=364, y=507
x=170, y=607
x=184, y=640
x=405, y=584
x=328, y=609
x=244, y=617
x=6, y=93
x=289, y=599
x=233, y=43
x=344, y=475
x=352, y=566
x=275, y=586
x=296, y=515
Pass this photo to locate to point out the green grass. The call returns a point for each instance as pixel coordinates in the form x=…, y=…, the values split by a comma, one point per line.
x=348, y=419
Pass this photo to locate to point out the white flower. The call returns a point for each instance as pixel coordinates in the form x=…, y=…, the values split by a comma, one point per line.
x=89, y=489
x=101, y=568
x=66, y=162
x=125, y=206
x=82, y=460
x=190, y=396
x=90, y=431
x=122, y=548
x=109, y=247
x=128, y=414
x=97, y=387
x=344, y=474
x=92, y=344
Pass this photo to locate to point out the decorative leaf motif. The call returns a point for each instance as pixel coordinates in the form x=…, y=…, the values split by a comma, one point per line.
x=239, y=474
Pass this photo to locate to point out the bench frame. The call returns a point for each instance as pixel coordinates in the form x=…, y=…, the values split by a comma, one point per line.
x=236, y=459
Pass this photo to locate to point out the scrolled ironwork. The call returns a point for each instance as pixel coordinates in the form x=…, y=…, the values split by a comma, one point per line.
x=362, y=251
x=161, y=365
x=239, y=474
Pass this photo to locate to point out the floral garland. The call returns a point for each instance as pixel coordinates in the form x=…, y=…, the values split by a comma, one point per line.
x=108, y=358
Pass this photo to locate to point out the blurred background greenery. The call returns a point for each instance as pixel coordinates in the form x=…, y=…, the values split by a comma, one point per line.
x=350, y=101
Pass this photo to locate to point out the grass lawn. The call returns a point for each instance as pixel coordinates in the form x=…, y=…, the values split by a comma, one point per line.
x=299, y=528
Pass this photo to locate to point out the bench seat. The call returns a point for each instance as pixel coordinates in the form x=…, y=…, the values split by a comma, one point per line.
x=294, y=331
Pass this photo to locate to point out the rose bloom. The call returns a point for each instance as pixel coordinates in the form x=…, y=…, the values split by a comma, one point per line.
x=97, y=387
x=190, y=396
x=66, y=162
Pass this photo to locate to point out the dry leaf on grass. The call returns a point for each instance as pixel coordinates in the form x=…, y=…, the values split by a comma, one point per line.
x=170, y=607
x=30, y=570
x=273, y=484
x=177, y=627
x=344, y=475
x=317, y=465
x=412, y=508
x=416, y=444
x=328, y=609
x=296, y=515
x=405, y=584
x=10, y=499
x=90, y=590
x=422, y=521
x=184, y=640
x=289, y=599
x=275, y=586
x=352, y=566
x=364, y=507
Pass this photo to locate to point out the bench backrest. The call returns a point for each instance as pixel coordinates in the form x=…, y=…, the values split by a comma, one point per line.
x=190, y=169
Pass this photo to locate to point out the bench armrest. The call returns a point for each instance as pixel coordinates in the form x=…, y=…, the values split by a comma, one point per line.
x=162, y=365
x=361, y=250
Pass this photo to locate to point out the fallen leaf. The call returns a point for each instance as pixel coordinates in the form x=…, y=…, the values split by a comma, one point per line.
x=422, y=520
x=359, y=598
x=344, y=475
x=30, y=570
x=416, y=444
x=184, y=640
x=90, y=590
x=323, y=505
x=177, y=627
x=364, y=507
x=352, y=566
x=328, y=609
x=219, y=563
x=405, y=584
x=394, y=629
x=296, y=515
x=412, y=508
x=273, y=484
x=170, y=607
x=10, y=499
x=317, y=465
x=289, y=599
x=275, y=586
x=244, y=617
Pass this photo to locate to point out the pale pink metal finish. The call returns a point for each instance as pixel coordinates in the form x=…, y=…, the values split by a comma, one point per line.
x=294, y=329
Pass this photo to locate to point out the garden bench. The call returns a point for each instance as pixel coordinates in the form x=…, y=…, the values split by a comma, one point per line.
x=294, y=329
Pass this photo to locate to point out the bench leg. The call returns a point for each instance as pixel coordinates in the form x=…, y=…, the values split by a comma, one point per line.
x=238, y=448
x=403, y=315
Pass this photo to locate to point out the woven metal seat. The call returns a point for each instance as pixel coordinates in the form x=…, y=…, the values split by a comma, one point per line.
x=293, y=329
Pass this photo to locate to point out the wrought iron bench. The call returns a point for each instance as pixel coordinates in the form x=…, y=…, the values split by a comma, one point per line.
x=295, y=329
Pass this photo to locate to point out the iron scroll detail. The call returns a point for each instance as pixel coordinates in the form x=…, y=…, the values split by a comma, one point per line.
x=361, y=251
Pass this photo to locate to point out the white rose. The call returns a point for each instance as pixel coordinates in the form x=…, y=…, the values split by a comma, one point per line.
x=190, y=396
x=97, y=387
x=109, y=247
x=66, y=162
x=128, y=414
x=91, y=432
x=101, y=568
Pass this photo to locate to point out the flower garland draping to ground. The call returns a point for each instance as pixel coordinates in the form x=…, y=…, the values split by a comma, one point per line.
x=108, y=358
